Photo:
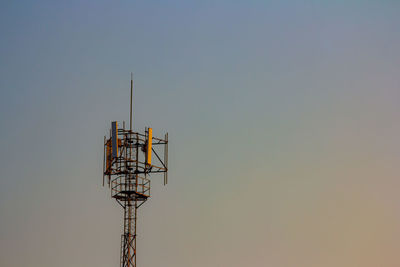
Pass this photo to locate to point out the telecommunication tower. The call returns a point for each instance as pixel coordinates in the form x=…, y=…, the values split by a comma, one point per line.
x=127, y=165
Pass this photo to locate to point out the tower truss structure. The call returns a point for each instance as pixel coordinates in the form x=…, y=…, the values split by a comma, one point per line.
x=129, y=159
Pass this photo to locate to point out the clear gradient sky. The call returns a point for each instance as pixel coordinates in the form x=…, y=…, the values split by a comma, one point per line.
x=283, y=119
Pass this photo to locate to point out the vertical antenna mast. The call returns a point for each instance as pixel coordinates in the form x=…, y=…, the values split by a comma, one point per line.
x=130, y=118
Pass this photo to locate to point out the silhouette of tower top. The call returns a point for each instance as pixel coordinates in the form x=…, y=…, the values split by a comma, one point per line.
x=129, y=159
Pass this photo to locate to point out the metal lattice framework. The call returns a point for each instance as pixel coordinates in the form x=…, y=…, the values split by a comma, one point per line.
x=126, y=168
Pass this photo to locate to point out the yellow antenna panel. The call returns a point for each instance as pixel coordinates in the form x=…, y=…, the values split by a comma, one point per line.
x=149, y=145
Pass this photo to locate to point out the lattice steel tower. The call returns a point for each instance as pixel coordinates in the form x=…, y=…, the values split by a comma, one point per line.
x=127, y=165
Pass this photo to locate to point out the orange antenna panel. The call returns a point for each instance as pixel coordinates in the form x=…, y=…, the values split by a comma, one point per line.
x=149, y=146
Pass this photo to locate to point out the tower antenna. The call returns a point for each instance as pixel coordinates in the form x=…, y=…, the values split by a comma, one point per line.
x=130, y=117
x=127, y=165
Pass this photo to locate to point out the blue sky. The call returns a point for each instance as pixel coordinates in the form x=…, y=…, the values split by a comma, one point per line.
x=282, y=118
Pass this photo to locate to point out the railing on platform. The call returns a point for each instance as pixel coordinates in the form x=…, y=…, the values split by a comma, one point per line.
x=122, y=187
